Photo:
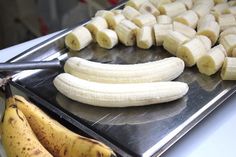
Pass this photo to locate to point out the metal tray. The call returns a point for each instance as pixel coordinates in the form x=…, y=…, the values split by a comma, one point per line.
x=134, y=131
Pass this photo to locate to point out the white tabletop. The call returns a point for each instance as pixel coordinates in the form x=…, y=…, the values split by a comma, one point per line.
x=215, y=136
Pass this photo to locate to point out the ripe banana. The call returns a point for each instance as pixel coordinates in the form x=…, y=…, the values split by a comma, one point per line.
x=184, y=29
x=126, y=31
x=145, y=20
x=173, y=40
x=148, y=7
x=160, y=31
x=211, y=62
x=202, y=8
x=118, y=95
x=56, y=138
x=107, y=38
x=145, y=37
x=218, y=9
x=96, y=24
x=210, y=29
x=161, y=70
x=172, y=9
x=230, y=30
x=163, y=19
x=205, y=19
x=135, y=3
x=191, y=51
x=114, y=20
x=228, y=71
x=78, y=39
x=205, y=41
x=188, y=3
x=188, y=18
x=17, y=137
x=130, y=13
x=226, y=20
x=229, y=42
x=104, y=13
x=158, y=3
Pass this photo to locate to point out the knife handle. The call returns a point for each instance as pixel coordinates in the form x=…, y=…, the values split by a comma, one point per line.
x=53, y=64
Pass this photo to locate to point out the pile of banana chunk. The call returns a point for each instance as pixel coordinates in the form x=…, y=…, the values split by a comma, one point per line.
x=197, y=32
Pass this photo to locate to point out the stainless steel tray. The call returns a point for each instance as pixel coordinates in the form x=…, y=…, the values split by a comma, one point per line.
x=134, y=131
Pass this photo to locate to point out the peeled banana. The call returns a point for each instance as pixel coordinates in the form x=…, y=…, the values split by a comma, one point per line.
x=114, y=20
x=184, y=29
x=78, y=38
x=130, y=13
x=17, y=137
x=230, y=30
x=163, y=19
x=226, y=20
x=211, y=62
x=145, y=37
x=173, y=40
x=230, y=10
x=172, y=9
x=229, y=42
x=56, y=138
x=107, y=38
x=161, y=70
x=188, y=3
x=118, y=95
x=159, y=3
x=135, y=3
x=104, y=13
x=218, y=9
x=228, y=71
x=145, y=20
x=234, y=52
x=148, y=7
x=188, y=18
x=160, y=31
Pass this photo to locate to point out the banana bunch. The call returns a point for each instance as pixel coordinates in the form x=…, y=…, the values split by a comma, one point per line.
x=28, y=132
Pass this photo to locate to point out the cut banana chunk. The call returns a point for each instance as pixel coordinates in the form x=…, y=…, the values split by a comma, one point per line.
x=173, y=40
x=96, y=24
x=220, y=1
x=118, y=95
x=231, y=30
x=78, y=39
x=148, y=7
x=230, y=10
x=225, y=21
x=107, y=38
x=229, y=43
x=126, y=32
x=104, y=13
x=228, y=71
x=145, y=37
x=210, y=29
x=185, y=30
x=209, y=3
x=130, y=13
x=135, y=3
x=164, y=19
x=206, y=19
x=202, y=8
x=234, y=52
x=172, y=9
x=187, y=3
x=205, y=41
x=232, y=3
x=114, y=20
x=145, y=20
x=218, y=9
x=161, y=70
x=188, y=18
x=117, y=11
x=160, y=31
x=191, y=51
x=158, y=3
x=211, y=62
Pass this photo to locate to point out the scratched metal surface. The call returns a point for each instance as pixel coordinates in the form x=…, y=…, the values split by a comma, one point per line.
x=138, y=131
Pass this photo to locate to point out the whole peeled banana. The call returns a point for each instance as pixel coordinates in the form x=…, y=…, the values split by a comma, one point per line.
x=17, y=136
x=57, y=139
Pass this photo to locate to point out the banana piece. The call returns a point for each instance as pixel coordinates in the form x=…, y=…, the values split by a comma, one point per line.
x=114, y=20
x=210, y=29
x=160, y=31
x=230, y=10
x=161, y=70
x=148, y=7
x=207, y=18
x=226, y=20
x=229, y=43
x=205, y=41
x=104, y=13
x=184, y=29
x=228, y=71
x=188, y=18
x=191, y=51
x=220, y=1
x=158, y=3
x=234, y=52
x=17, y=137
x=57, y=139
x=135, y=3
x=230, y=30
x=145, y=37
x=211, y=62
x=117, y=11
x=126, y=31
x=118, y=95
x=173, y=40
x=145, y=20
x=231, y=3
x=209, y=3
x=96, y=24
x=130, y=13
x=163, y=19
x=188, y=3
x=78, y=38
x=107, y=38
x=218, y=9
x=172, y=9
x=202, y=8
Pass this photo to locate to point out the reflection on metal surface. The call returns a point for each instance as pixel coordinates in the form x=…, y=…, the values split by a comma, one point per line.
x=122, y=116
